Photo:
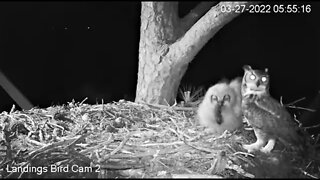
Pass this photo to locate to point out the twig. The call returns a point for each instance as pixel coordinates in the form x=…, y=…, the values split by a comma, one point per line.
x=117, y=148
x=171, y=107
x=175, y=132
x=307, y=174
x=175, y=103
x=180, y=134
x=240, y=171
x=25, y=164
x=163, y=144
x=109, y=113
x=178, y=129
x=35, y=142
x=178, y=108
x=3, y=161
x=32, y=154
x=100, y=145
x=314, y=126
x=56, y=125
x=243, y=153
x=10, y=116
x=82, y=129
x=302, y=108
x=72, y=144
x=12, y=109
x=124, y=167
x=194, y=176
x=296, y=120
x=309, y=164
x=225, y=134
x=240, y=157
x=207, y=150
x=83, y=101
x=28, y=117
x=292, y=103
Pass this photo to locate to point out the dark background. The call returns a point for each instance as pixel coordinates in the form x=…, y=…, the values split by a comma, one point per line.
x=58, y=51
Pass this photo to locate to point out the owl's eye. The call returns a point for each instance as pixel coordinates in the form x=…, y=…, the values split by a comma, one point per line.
x=263, y=79
x=252, y=77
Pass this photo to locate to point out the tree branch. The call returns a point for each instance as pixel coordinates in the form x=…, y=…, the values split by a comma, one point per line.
x=195, y=14
x=203, y=30
x=14, y=92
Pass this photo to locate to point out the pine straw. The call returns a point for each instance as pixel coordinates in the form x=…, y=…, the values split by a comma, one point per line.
x=126, y=139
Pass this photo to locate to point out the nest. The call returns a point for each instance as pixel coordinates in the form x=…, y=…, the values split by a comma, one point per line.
x=132, y=140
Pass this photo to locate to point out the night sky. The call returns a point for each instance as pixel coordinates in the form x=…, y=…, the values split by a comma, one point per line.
x=58, y=51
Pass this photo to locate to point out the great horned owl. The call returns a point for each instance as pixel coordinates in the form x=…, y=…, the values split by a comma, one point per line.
x=220, y=109
x=269, y=119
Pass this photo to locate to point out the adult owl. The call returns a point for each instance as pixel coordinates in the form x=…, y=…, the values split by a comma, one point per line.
x=269, y=119
x=220, y=109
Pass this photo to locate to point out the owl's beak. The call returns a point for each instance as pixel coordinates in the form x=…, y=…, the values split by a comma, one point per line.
x=258, y=83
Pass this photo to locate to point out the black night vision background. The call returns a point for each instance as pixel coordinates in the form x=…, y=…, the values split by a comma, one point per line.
x=54, y=52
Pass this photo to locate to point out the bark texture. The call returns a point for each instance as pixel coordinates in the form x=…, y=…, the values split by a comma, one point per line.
x=169, y=43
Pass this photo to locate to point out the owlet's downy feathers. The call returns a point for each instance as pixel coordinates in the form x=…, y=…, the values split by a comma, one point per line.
x=220, y=109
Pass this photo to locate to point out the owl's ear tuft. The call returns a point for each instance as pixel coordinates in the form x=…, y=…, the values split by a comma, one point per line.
x=266, y=70
x=247, y=68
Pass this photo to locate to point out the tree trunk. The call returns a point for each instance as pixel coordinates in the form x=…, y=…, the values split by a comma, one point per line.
x=168, y=44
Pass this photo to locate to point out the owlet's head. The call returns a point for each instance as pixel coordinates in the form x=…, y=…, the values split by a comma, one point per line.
x=254, y=81
x=221, y=94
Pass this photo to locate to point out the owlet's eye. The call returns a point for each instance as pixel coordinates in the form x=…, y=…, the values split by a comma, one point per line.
x=252, y=77
x=214, y=98
x=263, y=79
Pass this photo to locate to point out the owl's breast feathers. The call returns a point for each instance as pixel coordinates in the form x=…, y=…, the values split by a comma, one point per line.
x=270, y=116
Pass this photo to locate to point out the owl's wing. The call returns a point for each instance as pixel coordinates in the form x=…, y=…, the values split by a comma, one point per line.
x=280, y=114
x=278, y=117
x=282, y=124
x=270, y=105
x=288, y=134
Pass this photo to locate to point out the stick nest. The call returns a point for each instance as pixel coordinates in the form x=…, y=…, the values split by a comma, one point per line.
x=132, y=140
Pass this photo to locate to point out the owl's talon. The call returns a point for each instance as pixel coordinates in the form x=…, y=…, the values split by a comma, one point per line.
x=248, y=129
x=254, y=146
x=249, y=148
x=268, y=148
x=264, y=150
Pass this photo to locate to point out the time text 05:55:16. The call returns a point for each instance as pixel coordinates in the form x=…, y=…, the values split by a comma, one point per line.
x=266, y=8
